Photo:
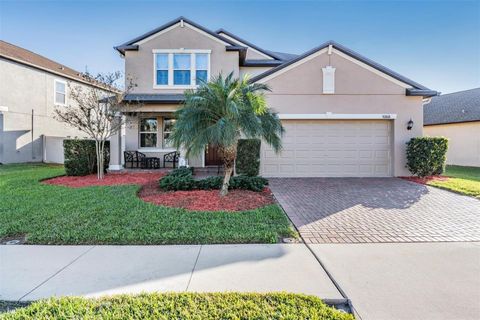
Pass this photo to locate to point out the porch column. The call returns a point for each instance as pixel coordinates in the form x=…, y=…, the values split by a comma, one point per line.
x=116, y=150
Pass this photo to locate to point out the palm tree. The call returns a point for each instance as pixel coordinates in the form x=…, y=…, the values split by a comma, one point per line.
x=219, y=113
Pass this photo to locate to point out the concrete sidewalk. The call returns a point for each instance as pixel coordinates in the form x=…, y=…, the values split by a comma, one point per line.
x=34, y=272
x=407, y=281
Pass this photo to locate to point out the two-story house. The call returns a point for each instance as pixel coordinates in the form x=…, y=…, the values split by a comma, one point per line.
x=344, y=114
x=31, y=87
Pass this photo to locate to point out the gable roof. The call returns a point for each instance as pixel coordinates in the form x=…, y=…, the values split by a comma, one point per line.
x=416, y=90
x=130, y=45
x=457, y=107
x=26, y=57
x=280, y=56
x=249, y=44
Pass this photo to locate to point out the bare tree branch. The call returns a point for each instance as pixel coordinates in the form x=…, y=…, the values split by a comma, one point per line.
x=97, y=110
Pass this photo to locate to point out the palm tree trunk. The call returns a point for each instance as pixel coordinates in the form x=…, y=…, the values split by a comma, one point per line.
x=229, y=154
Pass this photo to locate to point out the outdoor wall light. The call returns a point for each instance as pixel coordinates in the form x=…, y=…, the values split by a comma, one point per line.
x=410, y=125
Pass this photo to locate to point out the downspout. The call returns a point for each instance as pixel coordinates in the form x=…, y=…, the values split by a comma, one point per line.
x=31, y=143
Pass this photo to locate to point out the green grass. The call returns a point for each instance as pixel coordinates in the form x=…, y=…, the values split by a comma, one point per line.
x=464, y=180
x=201, y=306
x=49, y=214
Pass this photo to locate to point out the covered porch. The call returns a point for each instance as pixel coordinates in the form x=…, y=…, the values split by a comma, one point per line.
x=147, y=132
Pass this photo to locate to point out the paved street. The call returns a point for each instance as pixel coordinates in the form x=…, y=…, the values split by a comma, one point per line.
x=407, y=281
x=363, y=210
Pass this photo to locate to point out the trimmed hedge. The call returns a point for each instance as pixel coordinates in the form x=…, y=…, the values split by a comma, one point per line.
x=182, y=179
x=186, y=306
x=81, y=157
x=248, y=157
x=426, y=156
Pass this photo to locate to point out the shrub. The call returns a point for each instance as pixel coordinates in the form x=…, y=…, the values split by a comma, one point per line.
x=81, y=158
x=426, y=155
x=182, y=179
x=248, y=157
x=209, y=183
x=182, y=172
x=248, y=183
x=185, y=306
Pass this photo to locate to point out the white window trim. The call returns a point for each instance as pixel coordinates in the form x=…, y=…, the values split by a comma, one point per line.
x=164, y=147
x=193, y=66
x=140, y=132
x=160, y=147
x=55, y=92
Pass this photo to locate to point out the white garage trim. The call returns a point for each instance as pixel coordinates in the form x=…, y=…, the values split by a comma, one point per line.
x=344, y=116
x=3, y=109
x=331, y=148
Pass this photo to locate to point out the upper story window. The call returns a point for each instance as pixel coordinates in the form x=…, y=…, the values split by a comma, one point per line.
x=60, y=93
x=180, y=68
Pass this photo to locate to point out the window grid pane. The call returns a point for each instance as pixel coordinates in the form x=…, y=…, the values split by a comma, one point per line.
x=181, y=61
x=201, y=61
x=201, y=76
x=59, y=98
x=162, y=61
x=181, y=77
x=168, y=124
x=162, y=77
x=148, y=125
x=148, y=140
x=60, y=87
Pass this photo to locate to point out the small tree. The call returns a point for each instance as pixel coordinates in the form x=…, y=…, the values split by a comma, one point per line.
x=96, y=110
x=221, y=112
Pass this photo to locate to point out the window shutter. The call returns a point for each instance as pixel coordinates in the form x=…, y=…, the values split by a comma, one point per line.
x=328, y=79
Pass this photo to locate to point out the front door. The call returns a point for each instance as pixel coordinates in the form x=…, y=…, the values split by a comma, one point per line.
x=212, y=156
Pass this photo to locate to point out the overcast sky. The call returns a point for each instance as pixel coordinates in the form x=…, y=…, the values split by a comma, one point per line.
x=435, y=43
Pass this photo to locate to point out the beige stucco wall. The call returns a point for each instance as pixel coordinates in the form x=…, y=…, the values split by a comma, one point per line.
x=139, y=64
x=23, y=89
x=463, y=144
x=357, y=91
x=252, y=71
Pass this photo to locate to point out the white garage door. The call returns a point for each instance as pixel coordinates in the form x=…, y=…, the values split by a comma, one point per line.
x=331, y=148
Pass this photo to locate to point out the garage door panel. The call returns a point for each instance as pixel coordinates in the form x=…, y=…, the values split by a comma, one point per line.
x=331, y=148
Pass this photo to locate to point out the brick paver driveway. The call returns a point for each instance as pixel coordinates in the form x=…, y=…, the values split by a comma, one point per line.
x=352, y=210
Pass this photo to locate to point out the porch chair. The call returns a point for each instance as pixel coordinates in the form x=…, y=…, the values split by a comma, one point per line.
x=135, y=159
x=171, y=157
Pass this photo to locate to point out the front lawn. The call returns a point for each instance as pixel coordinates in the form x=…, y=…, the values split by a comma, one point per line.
x=464, y=180
x=185, y=306
x=50, y=214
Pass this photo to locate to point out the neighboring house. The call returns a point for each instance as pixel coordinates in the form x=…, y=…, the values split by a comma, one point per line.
x=31, y=86
x=457, y=117
x=344, y=114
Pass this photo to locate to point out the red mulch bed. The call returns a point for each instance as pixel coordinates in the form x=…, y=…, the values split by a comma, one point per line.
x=206, y=200
x=425, y=180
x=110, y=179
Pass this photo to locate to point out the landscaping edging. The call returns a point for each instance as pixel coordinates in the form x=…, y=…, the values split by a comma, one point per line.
x=206, y=200
x=193, y=200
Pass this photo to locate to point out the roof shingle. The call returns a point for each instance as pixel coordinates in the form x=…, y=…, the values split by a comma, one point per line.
x=462, y=106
